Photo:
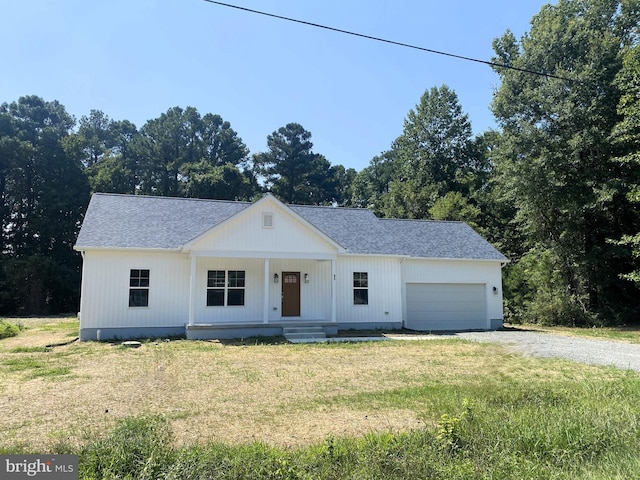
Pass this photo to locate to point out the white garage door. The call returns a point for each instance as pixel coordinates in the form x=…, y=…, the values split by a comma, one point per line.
x=442, y=306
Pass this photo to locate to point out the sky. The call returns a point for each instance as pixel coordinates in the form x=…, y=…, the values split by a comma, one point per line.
x=135, y=59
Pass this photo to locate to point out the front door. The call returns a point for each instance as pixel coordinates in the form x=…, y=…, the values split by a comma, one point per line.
x=290, y=294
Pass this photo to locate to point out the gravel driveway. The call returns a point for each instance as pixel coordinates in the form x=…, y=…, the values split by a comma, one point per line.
x=585, y=350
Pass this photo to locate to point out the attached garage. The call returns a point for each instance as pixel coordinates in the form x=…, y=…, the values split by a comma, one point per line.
x=445, y=306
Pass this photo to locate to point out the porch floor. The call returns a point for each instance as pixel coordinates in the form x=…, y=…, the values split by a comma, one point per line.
x=288, y=328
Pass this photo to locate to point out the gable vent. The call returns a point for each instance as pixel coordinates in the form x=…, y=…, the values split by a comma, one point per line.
x=267, y=220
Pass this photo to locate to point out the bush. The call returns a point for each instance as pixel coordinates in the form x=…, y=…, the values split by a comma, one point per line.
x=8, y=329
x=536, y=291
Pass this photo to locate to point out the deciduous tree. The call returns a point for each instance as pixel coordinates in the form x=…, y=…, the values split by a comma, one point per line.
x=44, y=193
x=555, y=159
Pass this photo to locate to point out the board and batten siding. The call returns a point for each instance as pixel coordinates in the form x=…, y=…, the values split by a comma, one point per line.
x=105, y=290
x=469, y=272
x=315, y=296
x=385, y=301
x=246, y=233
x=251, y=311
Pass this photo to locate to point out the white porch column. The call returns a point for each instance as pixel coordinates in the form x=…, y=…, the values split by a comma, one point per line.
x=334, y=301
x=192, y=291
x=265, y=301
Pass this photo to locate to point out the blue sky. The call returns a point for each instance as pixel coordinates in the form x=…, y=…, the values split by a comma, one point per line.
x=134, y=59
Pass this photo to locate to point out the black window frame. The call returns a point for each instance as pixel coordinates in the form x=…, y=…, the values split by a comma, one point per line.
x=361, y=288
x=226, y=288
x=139, y=284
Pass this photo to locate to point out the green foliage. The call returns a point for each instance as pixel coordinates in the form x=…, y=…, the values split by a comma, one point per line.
x=434, y=155
x=221, y=182
x=8, y=329
x=138, y=448
x=297, y=175
x=536, y=292
x=554, y=158
x=38, y=284
x=181, y=137
x=453, y=206
x=371, y=185
x=626, y=136
x=43, y=192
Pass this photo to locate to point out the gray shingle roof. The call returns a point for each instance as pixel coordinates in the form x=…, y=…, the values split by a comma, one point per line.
x=136, y=221
x=132, y=221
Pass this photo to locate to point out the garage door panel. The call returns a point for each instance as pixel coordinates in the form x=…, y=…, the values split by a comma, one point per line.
x=445, y=306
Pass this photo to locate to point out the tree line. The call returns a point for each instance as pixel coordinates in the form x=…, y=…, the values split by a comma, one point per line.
x=555, y=186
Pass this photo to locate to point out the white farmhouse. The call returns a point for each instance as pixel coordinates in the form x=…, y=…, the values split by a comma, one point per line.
x=157, y=266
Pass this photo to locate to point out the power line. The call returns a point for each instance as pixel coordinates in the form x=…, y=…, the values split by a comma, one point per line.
x=392, y=42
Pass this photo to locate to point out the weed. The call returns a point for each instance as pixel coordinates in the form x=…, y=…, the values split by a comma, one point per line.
x=28, y=350
x=138, y=448
x=8, y=329
x=22, y=363
x=49, y=373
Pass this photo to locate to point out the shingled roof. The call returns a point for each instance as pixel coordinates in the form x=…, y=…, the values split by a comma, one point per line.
x=141, y=222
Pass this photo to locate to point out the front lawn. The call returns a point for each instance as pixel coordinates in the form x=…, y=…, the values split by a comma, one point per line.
x=391, y=409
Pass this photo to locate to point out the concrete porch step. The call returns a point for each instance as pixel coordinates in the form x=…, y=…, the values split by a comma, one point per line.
x=302, y=329
x=300, y=333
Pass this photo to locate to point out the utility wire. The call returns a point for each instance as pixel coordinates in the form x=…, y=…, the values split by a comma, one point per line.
x=393, y=42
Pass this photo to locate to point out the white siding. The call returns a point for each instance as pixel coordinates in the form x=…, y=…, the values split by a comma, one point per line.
x=105, y=290
x=315, y=296
x=245, y=233
x=487, y=273
x=251, y=311
x=385, y=300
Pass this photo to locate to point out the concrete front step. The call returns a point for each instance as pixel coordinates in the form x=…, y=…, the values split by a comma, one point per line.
x=302, y=329
x=301, y=333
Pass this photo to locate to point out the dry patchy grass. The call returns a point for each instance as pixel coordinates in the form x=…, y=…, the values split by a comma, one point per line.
x=281, y=394
x=627, y=333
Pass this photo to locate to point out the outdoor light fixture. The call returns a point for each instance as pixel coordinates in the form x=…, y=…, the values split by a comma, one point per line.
x=495, y=290
x=306, y=278
x=275, y=278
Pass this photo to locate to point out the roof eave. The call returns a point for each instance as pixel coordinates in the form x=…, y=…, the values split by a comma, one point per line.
x=84, y=248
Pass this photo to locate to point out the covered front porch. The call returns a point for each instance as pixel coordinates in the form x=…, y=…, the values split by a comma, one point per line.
x=248, y=294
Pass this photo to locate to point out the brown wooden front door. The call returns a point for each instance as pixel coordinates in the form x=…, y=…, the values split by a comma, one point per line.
x=290, y=294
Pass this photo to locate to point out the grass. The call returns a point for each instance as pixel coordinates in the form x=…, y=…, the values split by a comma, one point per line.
x=8, y=329
x=395, y=409
x=629, y=334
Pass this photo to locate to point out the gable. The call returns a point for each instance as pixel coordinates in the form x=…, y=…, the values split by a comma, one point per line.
x=266, y=227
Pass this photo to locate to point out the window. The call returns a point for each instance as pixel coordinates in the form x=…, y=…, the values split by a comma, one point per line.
x=215, y=288
x=225, y=288
x=360, y=288
x=267, y=220
x=139, y=288
x=235, y=292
